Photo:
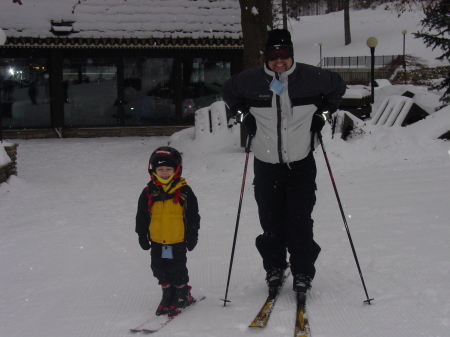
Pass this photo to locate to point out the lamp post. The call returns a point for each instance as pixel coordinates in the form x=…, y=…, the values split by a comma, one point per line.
x=372, y=43
x=404, y=31
x=2, y=42
x=320, y=48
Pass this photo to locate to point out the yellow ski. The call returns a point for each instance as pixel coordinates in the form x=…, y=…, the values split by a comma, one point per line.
x=301, y=320
x=263, y=316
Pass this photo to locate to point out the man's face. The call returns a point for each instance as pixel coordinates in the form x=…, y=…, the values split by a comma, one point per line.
x=280, y=65
x=279, y=58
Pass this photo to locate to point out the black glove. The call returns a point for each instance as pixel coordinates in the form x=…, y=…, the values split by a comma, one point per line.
x=145, y=244
x=244, y=117
x=323, y=113
x=318, y=120
x=190, y=244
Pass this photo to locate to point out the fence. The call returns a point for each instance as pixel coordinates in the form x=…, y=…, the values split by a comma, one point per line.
x=361, y=77
x=359, y=61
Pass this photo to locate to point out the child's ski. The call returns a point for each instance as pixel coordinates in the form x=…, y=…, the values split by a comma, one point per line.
x=156, y=323
x=261, y=319
x=152, y=320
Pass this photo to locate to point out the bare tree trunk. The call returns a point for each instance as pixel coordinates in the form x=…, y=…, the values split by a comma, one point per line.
x=348, y=38
x=256, y=16
x=331, y=6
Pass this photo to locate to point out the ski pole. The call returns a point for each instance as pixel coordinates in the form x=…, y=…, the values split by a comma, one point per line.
x=247, y=151
x=343, y=218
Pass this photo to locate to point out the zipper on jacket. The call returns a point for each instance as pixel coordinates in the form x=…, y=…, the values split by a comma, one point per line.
x=278, y=102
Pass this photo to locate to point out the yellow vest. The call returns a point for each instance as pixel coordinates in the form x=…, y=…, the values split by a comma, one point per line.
x=167, y=219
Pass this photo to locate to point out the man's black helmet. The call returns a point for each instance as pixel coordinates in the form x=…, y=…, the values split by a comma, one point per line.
x=166, y=156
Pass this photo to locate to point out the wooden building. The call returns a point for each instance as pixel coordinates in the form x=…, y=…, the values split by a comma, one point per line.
x=69, y=66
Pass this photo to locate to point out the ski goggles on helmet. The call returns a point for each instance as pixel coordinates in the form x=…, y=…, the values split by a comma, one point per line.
x=282, y=52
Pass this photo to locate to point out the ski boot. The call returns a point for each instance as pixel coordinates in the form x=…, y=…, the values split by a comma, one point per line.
x=181, y=299
x=166, y=300
x=302, y=283
x=274, y=279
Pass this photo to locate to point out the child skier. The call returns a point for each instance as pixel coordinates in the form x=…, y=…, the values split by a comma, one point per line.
x=167, y=221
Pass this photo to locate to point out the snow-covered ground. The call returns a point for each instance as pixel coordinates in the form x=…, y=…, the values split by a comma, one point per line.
x=72, y=265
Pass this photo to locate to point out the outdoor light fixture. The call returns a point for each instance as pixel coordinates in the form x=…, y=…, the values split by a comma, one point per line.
x=2, y=37
x=372, y=43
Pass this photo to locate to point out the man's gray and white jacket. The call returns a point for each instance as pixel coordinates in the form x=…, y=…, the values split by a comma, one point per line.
x=283, y=121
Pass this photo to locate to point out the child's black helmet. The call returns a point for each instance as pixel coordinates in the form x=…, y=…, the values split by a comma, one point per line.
x=166, y=156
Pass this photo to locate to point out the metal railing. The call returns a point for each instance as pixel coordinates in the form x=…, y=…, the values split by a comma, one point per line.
x=362, y=77
x=358, y=61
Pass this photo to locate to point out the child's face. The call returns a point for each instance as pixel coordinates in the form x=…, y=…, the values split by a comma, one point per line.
x=164, y=172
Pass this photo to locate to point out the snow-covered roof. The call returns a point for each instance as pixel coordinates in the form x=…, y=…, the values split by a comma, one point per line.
x=142, y=19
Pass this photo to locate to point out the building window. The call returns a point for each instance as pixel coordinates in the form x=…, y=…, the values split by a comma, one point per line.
x=87, y=92
x=202, y=84
x=148, y=91
x=25, y=94
x=149, y=94
x=90, y=91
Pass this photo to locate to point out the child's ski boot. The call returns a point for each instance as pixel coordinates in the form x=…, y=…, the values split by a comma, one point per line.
x=166, y=300
x=181, y=299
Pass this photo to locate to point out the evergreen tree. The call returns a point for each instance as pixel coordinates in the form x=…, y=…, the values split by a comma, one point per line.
x=439, y=22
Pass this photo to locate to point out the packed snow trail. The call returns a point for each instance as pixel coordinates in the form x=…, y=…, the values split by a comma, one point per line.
x=72, y=265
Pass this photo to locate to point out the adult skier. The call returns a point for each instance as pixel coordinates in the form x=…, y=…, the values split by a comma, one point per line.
x=284, y=104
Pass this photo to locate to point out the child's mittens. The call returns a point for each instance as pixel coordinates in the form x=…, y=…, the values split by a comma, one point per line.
x=143, y=241
x=190, y=244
